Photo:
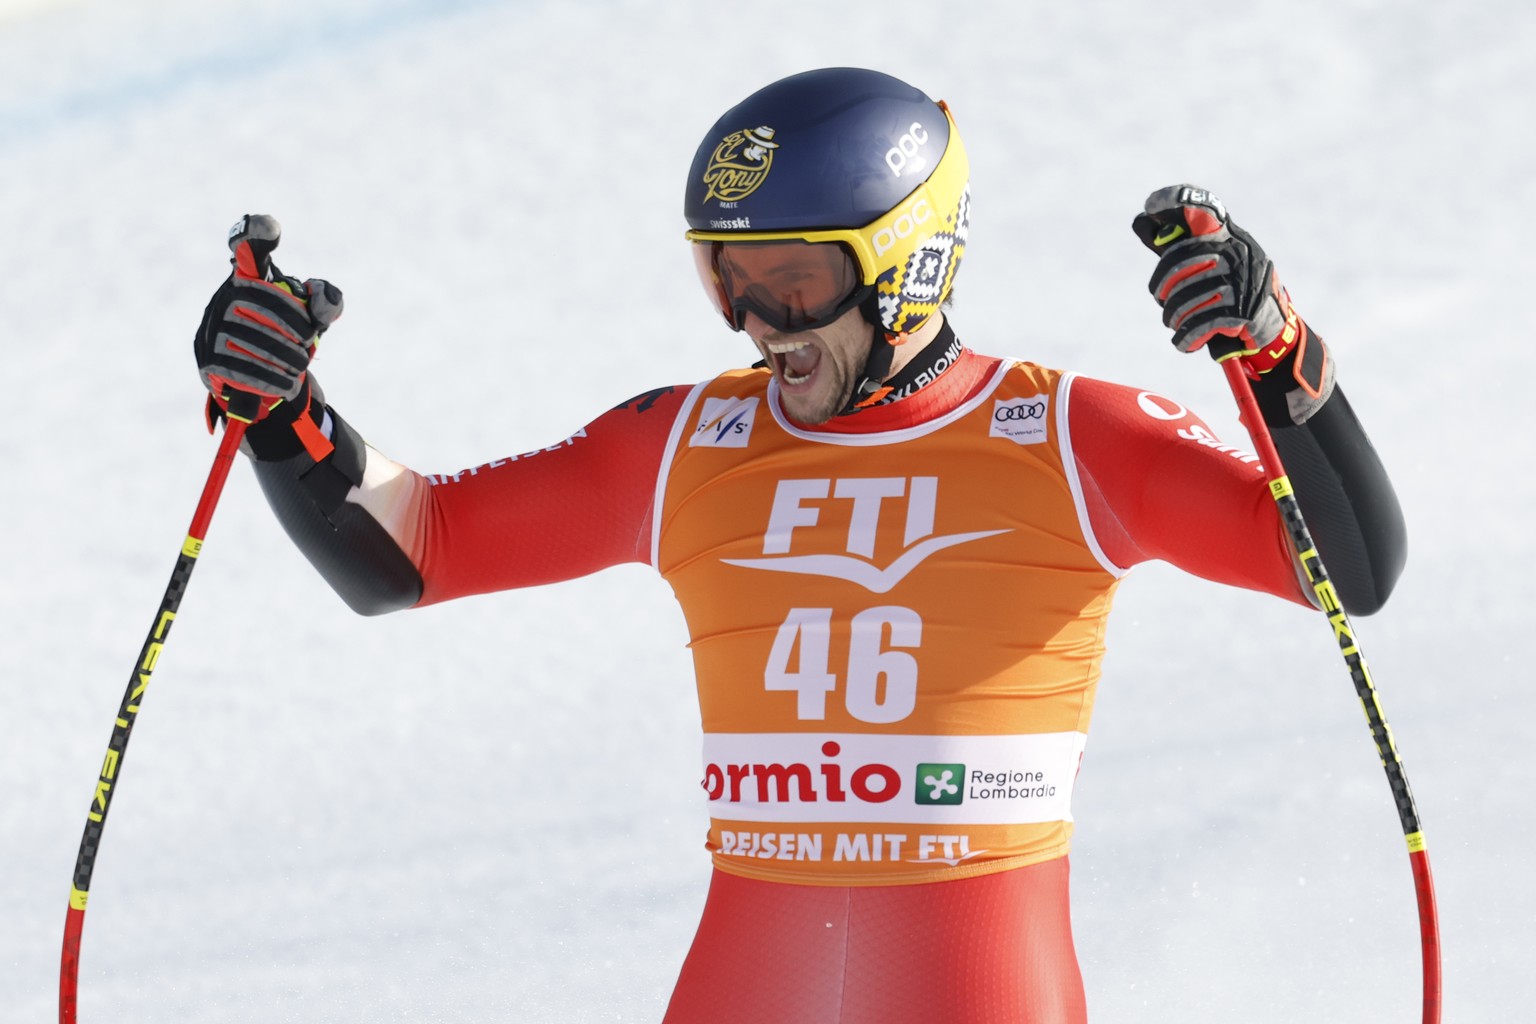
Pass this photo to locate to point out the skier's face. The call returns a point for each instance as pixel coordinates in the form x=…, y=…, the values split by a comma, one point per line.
x=816, y=369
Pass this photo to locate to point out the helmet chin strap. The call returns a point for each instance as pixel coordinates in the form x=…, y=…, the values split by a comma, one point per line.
x=869, y=387
x=876, y=384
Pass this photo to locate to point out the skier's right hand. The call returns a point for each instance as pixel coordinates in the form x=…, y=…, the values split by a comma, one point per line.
x=260, y=329
x=255, y=343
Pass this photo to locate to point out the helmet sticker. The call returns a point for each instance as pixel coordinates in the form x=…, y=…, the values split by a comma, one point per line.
x=927, y=272
x=739, y=164
x=911, y=290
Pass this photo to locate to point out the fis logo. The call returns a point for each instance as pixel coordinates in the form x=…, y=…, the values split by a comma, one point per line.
x=725, y=423
x=1021, y=420
x=940, y=784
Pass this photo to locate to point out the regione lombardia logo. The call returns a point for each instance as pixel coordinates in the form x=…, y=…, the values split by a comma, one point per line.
x=940, y=783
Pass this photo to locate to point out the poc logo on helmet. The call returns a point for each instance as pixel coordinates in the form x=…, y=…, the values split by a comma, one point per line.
x=903, y=156
x=903, y=226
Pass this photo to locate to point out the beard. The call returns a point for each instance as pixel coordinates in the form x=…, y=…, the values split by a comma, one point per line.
x=831, y=396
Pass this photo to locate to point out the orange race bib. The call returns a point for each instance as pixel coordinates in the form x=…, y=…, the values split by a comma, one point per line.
x=897, y=635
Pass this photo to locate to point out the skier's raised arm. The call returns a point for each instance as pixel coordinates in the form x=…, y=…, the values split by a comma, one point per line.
x=1192, y=503
x=386, y=537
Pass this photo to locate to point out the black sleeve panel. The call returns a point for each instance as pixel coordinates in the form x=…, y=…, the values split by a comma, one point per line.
x=354, y=554
x=1349, y=504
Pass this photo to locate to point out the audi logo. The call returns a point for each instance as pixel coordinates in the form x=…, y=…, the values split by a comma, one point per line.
x=1027, y=411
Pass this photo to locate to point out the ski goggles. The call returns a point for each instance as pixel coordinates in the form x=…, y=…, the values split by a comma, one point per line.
x=793, y=283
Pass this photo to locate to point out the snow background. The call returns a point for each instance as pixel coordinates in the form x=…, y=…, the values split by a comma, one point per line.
x=488, y=810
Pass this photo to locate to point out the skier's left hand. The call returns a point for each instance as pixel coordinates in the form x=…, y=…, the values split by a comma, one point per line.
x=1217, y=288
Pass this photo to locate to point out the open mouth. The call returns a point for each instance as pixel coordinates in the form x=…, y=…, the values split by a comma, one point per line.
x=794, y=361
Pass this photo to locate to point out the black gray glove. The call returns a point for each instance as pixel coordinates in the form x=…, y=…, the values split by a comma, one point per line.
x=1219, y=291
x=1217, y=288
x=260, y=329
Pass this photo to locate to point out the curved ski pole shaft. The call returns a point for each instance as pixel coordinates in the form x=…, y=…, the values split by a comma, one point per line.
x=127, y=713
x=1344, y=634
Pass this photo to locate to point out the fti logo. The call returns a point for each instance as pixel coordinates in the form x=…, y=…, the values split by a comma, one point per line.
x=800, y=504
x=940, y=783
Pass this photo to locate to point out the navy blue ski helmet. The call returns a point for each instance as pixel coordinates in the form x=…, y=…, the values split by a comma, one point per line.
x=847, y=156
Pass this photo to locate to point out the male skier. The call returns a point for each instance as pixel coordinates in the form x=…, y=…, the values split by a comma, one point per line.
x=895, y=555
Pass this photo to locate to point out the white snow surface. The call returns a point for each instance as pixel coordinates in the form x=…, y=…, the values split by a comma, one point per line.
x=488, y=810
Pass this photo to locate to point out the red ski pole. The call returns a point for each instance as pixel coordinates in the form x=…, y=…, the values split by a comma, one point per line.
x=1381, y=732
x=127, y=713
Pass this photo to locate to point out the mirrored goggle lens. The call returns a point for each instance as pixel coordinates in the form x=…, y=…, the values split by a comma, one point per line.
x=791, y=285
